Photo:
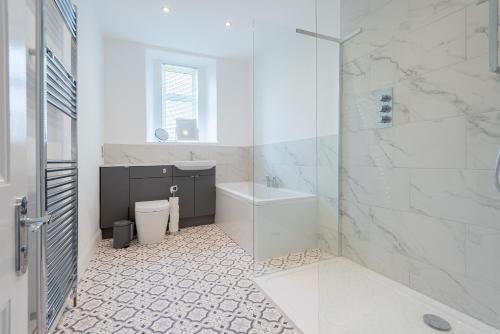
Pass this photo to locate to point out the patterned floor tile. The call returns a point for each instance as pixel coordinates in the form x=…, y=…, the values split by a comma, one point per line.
x=196, y=282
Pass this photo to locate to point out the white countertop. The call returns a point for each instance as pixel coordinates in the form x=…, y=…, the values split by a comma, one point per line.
x=139, y=164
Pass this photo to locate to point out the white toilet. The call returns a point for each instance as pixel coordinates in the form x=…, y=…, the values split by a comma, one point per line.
x=151, y=219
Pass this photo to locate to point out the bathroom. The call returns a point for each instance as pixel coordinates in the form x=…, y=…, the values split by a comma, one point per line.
x=283, y=166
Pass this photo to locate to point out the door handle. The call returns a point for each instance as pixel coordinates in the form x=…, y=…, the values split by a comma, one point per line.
x=497, y=171
x=24, y=225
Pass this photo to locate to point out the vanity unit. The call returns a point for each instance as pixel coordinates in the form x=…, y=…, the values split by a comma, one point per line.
x=122, y=186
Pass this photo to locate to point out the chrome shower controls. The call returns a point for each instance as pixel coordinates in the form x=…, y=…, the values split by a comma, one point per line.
x=386, y=98
x=386, y=119
x=386, y=108
x=383, y=107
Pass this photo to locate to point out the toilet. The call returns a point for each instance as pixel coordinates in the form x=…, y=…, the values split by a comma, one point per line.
x=151, y=219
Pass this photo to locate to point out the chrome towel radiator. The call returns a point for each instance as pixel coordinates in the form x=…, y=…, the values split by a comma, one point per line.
x=58, y=175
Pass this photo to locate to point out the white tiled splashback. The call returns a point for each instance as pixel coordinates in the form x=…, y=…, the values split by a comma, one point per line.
x=233, y=163
x=418, y=200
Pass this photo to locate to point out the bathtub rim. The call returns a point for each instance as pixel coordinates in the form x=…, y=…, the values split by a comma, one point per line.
x=298, y=196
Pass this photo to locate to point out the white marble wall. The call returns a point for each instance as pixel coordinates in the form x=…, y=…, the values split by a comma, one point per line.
x=310, y=166
x=418, y=200
x=233, y=163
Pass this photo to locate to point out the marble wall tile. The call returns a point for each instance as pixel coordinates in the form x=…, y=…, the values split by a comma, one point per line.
x=477, y=30
x=296, y=162
x=357, y=244
x=407, y=234
x=418, y=199
x=233, y=163
x=377, y=186
x=483, y=140
x=356, y=76
x=462, y=89
x=467, y=196
x=365, y=148
x=425, y=100
x=432, y=144
x=483, y=248
x=467, y=295
x=390, y=21
x=432, y=47
x=358, y=111
x=423, y=12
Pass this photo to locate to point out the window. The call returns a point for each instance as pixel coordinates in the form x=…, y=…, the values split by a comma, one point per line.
x=180, y=102
x=181, y=97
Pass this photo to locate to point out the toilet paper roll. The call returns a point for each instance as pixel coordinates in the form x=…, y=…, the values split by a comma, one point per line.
x=173, y=226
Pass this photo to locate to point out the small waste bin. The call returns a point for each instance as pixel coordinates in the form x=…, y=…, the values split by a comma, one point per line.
x=122, y=233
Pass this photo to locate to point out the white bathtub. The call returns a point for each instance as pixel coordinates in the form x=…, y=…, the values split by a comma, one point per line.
x=274, y=222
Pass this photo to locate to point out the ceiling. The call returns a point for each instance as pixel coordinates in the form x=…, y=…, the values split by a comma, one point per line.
x=198, y=26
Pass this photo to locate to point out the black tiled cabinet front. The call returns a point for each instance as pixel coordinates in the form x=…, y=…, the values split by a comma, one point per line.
x=122, y=187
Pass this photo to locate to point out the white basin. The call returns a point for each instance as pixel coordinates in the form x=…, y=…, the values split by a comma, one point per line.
x=194, y=165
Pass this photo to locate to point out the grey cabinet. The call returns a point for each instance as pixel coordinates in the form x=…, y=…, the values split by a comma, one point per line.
x=145, y=172
x=186, y=195
x=122, y=187
x=196, y=196
x=149, y=183
x=204, y=198
x=114, y=197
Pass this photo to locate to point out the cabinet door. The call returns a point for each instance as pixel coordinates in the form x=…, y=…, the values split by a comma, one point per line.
x=204, y=195
x=146, y=172
x=186, y=196
x=143, y=190
x=114, y=200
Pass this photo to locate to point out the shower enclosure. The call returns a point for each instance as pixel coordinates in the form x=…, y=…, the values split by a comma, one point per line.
x=418, y=202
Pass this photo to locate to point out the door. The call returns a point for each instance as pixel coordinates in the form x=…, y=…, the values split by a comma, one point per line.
x=204, y=200
x=13, y=156
x=186, y=195
x=114, y=195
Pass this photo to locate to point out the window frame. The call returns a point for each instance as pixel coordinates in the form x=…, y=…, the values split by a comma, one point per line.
x=194, y=98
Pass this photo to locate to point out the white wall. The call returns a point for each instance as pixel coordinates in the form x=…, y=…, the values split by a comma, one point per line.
x=125, y=96
x=297, y=78
x=89, y=129
x=234, y=100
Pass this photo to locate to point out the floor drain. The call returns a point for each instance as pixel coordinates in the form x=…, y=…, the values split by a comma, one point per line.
x=437, y=323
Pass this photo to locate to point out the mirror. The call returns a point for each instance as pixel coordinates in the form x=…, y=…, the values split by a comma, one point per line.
x=161, y=134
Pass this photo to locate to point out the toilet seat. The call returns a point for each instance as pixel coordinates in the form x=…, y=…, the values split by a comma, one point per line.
x=151, y=219
x=152, y=206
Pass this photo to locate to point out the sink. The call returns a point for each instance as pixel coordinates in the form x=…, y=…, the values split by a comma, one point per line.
x=194, y=165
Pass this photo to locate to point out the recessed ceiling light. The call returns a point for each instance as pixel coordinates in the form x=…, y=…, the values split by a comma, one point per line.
x=166, y=9
x=228, y=24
